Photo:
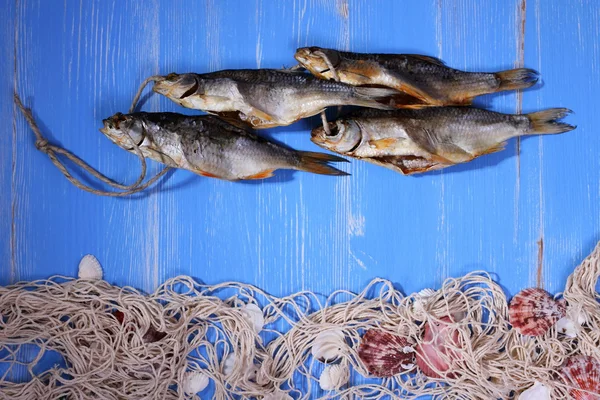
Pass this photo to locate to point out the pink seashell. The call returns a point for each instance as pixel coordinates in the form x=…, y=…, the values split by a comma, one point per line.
x=533, y=311
x=582, y=372
x=385, y=354
x=433, y=351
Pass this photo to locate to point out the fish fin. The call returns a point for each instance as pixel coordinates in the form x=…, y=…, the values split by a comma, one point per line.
x=445, y=153
x=494, y=149
x=429, y=59
x=453, y=153
x=207, y=174
x=515, y=79
x=547, y=122
x=260, y=114
x=374, y=97
x=381, y=144
x=233, y=118
x=161, y=157
x=261, y=175
x=323, y=156
x=405, y=100
x=317, y=163
x=406, y=165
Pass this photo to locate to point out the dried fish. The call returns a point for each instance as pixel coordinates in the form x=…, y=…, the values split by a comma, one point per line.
x=210, y=147
x=265, y=98
x=427, y=79
x=413, y=141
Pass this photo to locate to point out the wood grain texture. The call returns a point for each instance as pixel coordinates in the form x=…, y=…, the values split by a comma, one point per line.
x=7, y=132
x=79, y=62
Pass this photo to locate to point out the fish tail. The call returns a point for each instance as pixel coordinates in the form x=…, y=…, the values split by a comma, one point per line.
x=318, y=163
x=374, y=97
x=547, y=122
x=515, y=79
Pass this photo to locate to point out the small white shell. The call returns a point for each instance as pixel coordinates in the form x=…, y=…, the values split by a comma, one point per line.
x=229, y=364
x=334, y=377
x=254, y=315
x=426, y=292
x=195, y=382
x=421, y=298
x=89, y=268
x=567, y=327
x=329, y=345
x=536, y=392
x=277, y=396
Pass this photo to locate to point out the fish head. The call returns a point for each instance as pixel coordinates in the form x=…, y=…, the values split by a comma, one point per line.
x=124, y=130
x=179, y=86
x=344, y=136
x=315, y=60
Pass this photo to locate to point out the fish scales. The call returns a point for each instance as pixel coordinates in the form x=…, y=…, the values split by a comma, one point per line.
x=210, y=147
x=420, y=140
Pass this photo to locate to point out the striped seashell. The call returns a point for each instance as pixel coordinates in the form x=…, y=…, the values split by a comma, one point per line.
x=385, y=354
x=329, y=345
x=334, y=377
x=254, y=315
x=533, y=311
x=194, y=382
x=582, y=373
x=90, y=268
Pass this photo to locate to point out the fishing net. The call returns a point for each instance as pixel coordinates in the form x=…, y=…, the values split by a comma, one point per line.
x=116, y=342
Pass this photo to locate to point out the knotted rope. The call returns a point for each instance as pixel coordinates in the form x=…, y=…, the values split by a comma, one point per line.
x=53, y=151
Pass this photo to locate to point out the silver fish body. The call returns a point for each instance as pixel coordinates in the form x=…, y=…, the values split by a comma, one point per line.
x=210, y=147
x=411, y=141
x=265, y=97
x=427, y=79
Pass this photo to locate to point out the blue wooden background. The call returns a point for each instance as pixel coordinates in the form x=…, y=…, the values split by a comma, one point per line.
x=77, y=62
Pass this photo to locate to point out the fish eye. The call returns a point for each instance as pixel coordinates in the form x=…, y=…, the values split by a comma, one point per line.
x=171, y=77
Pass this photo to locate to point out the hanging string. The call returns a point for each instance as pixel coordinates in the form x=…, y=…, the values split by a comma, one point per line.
x=337, y=79
x=52, y=151
x=138, y=94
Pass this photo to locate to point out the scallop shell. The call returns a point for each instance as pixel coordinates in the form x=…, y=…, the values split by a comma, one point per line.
x=533, y=311
x=582, y=372
x=254, y=315
x=277, y=396
x=385, y=354
x=536, y=392
x=329, y=345
x=194, y=382
x=89, y=268
x=433, y=352
x=567, y=327
x=334, y=377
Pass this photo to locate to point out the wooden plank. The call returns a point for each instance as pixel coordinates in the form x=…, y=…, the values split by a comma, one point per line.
x=479, y=203
x=566, y=38
x=82, y=62
x=7, y=68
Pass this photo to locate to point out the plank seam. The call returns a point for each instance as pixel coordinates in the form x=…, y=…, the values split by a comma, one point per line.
x=13, y=200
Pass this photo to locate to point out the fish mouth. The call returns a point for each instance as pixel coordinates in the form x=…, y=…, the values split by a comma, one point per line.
x=320, y=135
